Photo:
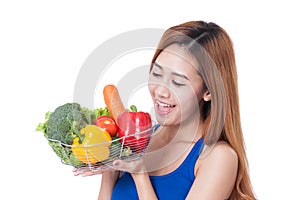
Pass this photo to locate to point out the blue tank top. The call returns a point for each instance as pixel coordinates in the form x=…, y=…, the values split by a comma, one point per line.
x=175, y=185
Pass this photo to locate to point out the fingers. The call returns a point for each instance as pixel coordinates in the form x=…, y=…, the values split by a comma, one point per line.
x=135, y=166
x=85, y=171
x=82, y=172
x=122, y=165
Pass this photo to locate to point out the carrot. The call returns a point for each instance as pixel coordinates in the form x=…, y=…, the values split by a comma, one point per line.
x=113, y=101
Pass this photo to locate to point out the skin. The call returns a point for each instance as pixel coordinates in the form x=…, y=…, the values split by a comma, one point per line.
x=173, y=81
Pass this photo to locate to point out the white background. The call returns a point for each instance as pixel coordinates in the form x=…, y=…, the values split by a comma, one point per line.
x=44, y=44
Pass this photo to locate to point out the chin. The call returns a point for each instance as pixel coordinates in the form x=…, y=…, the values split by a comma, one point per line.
x=166, y=121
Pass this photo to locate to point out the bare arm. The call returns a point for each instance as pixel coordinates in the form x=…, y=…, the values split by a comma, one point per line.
x=144, y=187
x=108, y=182
x=216, y=174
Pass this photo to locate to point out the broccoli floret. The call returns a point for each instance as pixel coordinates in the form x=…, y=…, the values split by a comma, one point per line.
x=66, y=121
x=64, y=124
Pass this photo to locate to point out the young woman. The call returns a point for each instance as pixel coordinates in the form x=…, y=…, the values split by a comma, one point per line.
x=198, y=151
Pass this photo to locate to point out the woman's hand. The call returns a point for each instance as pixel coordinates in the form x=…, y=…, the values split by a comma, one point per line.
x=86, y=171
x=133, y=167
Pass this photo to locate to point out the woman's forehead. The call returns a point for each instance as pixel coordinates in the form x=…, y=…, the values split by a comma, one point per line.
x=177, y=58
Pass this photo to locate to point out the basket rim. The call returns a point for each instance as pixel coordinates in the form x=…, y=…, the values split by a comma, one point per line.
x=152, y=129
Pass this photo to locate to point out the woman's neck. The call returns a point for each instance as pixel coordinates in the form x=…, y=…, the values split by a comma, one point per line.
x=170, y=142
x=187, y=132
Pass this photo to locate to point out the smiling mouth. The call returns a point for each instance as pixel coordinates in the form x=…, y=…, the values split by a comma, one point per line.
x=164, y=108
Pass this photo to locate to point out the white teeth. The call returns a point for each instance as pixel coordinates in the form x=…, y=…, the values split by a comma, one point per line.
x=165, y=105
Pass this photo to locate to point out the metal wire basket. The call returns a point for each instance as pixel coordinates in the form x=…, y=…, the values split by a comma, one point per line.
x=126, y=148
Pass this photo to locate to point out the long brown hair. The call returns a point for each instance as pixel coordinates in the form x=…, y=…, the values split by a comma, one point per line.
x=211, y=46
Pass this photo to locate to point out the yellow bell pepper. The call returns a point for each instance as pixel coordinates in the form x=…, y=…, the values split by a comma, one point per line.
x=95, y=146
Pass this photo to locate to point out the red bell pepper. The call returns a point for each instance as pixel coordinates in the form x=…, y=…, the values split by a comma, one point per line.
x=135, y=129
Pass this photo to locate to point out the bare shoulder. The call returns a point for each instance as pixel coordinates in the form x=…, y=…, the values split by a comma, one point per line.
x=216, y=171
x=221, y=154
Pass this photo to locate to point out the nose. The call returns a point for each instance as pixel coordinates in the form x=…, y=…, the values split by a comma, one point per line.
x=162, y=92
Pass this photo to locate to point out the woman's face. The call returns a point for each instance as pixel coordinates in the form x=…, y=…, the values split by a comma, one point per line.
x=175, y=86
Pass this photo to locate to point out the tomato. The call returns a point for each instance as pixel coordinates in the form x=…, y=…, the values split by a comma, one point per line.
x=107, y=123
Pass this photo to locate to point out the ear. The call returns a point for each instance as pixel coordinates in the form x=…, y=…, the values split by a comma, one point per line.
x=207, y=96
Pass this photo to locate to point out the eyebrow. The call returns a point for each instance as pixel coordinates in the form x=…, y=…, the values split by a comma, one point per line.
x=174, y=73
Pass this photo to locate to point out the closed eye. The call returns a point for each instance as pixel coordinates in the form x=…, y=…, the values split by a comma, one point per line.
x=178, y=84
x=156, y=74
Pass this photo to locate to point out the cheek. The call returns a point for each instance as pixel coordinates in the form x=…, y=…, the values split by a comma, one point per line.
x=188, y=94
x=188, y=101
x=151, y=89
